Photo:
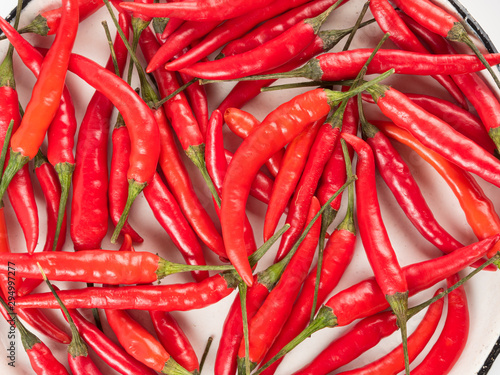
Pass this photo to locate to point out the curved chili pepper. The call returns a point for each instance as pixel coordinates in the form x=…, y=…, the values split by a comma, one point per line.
x=293, y=164
x=437, y=134
x=169, y=215
x=107, y=350
x=274, y=27
x=366, y=298
x=140, y=344
x=460, y=119
x=475, y=89
x=477, y=207
x=389, y=21
x=174, y=340
x=229, y=30
x=451, y=342
x=405, y=189
x=99, y=266
x=45, y=97
x=212, y=10
x=89, y=210
x=170, y=162
x=269, y=319
x=270, y=55
x=242, y=124
x=337, y=66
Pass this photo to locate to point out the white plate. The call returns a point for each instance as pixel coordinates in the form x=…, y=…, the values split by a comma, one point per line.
x=200, y=324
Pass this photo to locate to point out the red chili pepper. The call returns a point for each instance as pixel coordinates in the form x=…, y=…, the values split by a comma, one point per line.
x=140, y=344
x=172, y=25
x=170, y=162
x=174, y=340
x=168, y=213
x=89, y=210
x=393, y=362
x=45, y=97
x=293, y=164
x=270, y=55
x=212, y=10
x=112, y=354
x=437, y=134
x=389, y=21
x=242, y=124
x=266, y=324
x=451, y=342
x=274, y=27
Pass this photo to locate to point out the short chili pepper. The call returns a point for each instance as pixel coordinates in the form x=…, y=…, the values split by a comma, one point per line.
x=366, y=298
x=270, y=55
x=393, y=362
x=277, y=129
x=141, y=345
x=99, y=266
x=45, y=97
x=269, y=319
x=242, y=124
x=89, y=210
x=112, y=354
x=437, y=134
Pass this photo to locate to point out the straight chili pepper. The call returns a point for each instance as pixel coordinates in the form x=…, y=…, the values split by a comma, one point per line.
x=390, y=22
x=292, y=166
x=170, y=162
x=277, y=129
x=436, y=134
x=270, y=55
x=212, y=10
x=269, y=319
x=242, y=124
x=89, y=210
x=89, y=265
x=45, y=97
x=366, y=297
x=393, y=362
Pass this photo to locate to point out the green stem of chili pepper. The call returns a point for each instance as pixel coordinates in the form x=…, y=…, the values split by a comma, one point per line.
x=205, y=353
x=65, y=173
x=5, y=146
x=180, y=89
x=356, y=26
x=243, y=300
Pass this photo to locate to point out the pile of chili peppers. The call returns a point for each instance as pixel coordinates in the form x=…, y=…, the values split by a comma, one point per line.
x=249, y=229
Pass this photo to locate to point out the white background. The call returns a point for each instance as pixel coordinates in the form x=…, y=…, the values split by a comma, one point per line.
x=484, y=304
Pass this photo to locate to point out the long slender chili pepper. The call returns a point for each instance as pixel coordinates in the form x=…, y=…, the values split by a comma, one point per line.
x=393, y=362
x=451, y=342
x=89, y=210
x=269, y=319
x=436, y=134
x=366, y=298
x=242, y=124
x=460, y=119
x=79, y=360
x=169, y=215
x=206, y=11
x=107, y=350
x=170, y=162
x=477, y=207
x=41, y=358
x=337, y=256
x=141, y=345
x=443, y=23
x=380, y=253
x=217, y=167
x=390, y=22
x=174, y=340
x=293, y=164
x=345, y=65
x=45, y=97
x=270, y=55
x=475, y=89
x=88, y=266
x=277, y=129
x=405, y=189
